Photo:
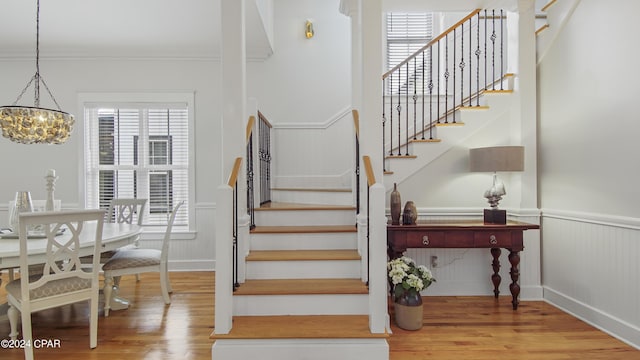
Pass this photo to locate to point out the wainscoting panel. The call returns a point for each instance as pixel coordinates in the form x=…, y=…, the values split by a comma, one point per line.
x=590, y=269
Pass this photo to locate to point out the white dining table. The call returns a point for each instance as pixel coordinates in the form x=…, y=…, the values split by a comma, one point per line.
x=114, y=236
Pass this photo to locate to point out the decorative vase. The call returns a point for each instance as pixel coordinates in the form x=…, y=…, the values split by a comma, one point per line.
x=410, y=214
x=408, y=311
x=396, y=205
x=21, y=204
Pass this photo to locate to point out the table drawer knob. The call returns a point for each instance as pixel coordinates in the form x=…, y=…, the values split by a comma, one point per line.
x=425, y=240
x=493, y=240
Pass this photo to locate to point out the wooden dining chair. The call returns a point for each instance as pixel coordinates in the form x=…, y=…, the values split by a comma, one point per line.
x=138, y=260
x=63, y=279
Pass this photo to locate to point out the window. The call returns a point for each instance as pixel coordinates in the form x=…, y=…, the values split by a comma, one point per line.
x=406, y=34
x=138, y=150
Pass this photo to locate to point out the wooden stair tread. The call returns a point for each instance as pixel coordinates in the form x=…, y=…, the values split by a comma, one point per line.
x=314, y=189
x=425, y=140
x=457, y=123
x=302, y=255
x=300, y=327
x=401, y=156
x=301, y=287
x=277, y=206
x=303, y=229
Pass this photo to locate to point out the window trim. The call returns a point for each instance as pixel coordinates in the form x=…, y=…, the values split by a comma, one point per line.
x=148, y=99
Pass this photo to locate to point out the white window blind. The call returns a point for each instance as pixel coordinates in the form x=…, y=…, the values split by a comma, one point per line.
x=138, y=151
x=406, y=34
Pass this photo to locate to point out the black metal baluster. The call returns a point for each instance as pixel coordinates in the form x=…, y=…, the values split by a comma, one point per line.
x=406, y=115
x=236, y=284
x=438, y=88
x=415, y=99
x=501, y=52
x=462, y=64
x=453, y=91
x=391, y=114
x=493, y=49
x=470, y=64
x=399, y=109
x=250, y=185
x=478, y=62
x=446, y=78
x=423, y=78
x=431, y=93
x=486, y=81
x=384, y=121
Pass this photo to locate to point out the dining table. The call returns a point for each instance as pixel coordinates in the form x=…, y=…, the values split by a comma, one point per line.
x=114, y=236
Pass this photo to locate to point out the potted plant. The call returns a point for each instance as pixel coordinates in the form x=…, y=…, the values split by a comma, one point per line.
x=407, y=280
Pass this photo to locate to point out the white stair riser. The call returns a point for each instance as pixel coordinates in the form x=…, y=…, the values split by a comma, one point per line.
x=304, y=241
x=305, y=217
x=338, y=269
x=314, y=304
x=312, y=197
x=307, y=349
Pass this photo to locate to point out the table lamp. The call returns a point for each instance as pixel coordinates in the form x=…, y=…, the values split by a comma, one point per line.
x=494, y=159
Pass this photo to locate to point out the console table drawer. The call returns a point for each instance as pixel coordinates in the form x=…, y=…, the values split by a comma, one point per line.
x=425, y=239
x=492, y=238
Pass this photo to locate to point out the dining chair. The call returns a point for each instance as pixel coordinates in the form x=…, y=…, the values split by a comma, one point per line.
x=122, y=210
x=63, y=279
x=138, y=260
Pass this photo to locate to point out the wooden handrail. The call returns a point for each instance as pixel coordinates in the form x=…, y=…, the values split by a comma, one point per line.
x=371, y=178
x=234, y=172
x=264, y=119
x=252, y=121
x=356, y=122
x=546, y=7
x=430, y=43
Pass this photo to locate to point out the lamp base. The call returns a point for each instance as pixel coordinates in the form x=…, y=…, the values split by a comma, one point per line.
x=495, y=216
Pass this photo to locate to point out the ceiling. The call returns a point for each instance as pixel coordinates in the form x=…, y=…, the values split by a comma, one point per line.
x=115, y=28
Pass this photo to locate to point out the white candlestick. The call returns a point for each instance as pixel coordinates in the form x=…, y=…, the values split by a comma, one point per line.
x=51, y=185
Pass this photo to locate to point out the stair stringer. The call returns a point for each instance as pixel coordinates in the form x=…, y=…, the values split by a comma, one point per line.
x=472, y=120
x=558, y=14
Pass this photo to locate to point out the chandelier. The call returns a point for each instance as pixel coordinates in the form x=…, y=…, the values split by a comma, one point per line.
x=33, y=124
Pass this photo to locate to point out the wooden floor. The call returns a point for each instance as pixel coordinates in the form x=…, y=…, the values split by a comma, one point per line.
x=454, y=328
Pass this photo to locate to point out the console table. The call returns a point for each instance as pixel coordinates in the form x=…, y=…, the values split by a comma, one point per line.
x=465, y=234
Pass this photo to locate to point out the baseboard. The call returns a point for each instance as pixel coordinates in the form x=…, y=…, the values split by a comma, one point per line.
x=618, y=328
x=192, y=265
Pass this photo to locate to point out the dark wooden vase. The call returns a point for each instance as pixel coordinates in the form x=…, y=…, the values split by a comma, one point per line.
x=395, y=205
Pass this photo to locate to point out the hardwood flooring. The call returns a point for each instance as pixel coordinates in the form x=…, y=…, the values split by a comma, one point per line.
x=474, y=328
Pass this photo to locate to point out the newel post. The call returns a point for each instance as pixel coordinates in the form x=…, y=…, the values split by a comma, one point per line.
x=224, y=256
x=378, y=260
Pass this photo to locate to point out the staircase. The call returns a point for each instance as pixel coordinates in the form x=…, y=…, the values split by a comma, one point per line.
x=494, y=104
x=304, y=294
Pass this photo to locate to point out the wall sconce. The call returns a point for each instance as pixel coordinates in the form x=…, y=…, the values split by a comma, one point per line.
x=493, y=159
x=308, y=29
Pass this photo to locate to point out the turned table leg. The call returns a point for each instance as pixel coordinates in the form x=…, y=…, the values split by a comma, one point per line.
x=495, y=278
x=514, y=259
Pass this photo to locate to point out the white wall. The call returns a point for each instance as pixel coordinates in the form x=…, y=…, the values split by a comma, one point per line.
x=24, y=166
x=588, y=167
x=304, y=88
